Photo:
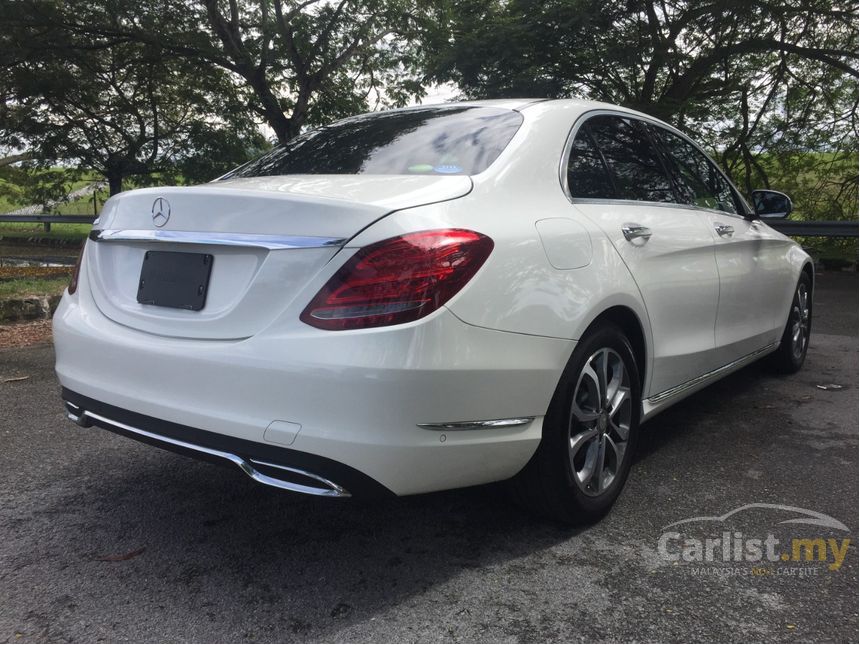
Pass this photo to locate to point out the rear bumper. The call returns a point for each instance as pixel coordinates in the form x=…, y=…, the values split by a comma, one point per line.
x=360, y=402
x=275, y=466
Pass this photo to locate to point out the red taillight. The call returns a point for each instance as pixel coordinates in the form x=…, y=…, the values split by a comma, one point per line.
x=73, y=283
x=398, y=280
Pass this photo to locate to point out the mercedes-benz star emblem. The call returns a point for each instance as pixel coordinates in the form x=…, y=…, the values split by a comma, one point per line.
x=160, y=212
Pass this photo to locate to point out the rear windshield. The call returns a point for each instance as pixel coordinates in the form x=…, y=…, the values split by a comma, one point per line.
x=439, y=140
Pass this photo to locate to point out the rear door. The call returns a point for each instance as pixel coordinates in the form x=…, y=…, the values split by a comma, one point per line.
x=750, y=256
x=617, y=178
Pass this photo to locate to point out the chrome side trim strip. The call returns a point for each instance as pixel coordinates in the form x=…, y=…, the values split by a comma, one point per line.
x=271, y=242
x=712, y=375
x=247, y=466
x=478, y=425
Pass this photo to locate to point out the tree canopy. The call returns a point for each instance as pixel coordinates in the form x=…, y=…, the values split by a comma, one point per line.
x=123, y=109
x=132, y=88
x=298, y=61
x=758, y=81
x=167, y=86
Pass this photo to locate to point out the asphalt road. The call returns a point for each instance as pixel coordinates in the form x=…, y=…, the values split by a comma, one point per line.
x=102, y=538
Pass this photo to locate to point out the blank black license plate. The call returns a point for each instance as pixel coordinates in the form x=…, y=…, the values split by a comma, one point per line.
x=171, y=279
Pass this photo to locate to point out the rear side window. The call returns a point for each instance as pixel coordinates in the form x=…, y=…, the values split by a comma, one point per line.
x=697, y=178
x=587, y=175
x=634, y=163
x=439, y=140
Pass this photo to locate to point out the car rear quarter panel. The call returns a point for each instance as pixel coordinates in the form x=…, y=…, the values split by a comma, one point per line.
x=518, y=289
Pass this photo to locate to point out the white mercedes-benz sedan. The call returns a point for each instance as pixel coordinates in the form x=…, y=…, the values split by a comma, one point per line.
x=430, y=298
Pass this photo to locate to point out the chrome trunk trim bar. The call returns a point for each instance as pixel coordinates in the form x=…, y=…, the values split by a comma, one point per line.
x=271, y=242
x=477, y=425
x=85, y=419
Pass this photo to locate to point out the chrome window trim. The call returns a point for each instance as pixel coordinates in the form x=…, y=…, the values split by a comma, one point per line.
x=270, y=242
x=634, y=202
x=568, y=146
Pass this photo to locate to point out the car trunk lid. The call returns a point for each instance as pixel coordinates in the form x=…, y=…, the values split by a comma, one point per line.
x=267, y=238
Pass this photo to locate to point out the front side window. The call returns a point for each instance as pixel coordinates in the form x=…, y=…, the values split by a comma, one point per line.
x=438, y=140
x=634, y=163
x=697, y=178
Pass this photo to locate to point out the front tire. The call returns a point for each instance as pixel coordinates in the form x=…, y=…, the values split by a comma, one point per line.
x=589, y=433
x=791, y=354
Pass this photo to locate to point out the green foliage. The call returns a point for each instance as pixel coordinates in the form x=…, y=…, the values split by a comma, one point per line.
x=146, y=88
x=766, y=85
x=26, y=185
x=120, y=108
x=20, y=288
x=212, y=152
x=287, y=62
x=180, y=91
x=822, y=186
x=60, y=234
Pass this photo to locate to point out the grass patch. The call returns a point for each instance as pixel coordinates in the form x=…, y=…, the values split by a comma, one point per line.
x=80, y=206
x=23, y=287
x=34, y=272
x=18, y=232
x=83, y=205
x=25, y=229
x=835, y=252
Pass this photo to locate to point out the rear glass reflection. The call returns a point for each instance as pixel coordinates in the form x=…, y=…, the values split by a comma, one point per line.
x=440, y=140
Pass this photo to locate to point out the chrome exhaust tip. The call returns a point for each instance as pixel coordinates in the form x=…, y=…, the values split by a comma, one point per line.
x=78, y=416
x=280, y=476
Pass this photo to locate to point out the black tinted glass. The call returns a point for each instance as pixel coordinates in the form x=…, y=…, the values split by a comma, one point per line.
x=770, y=202
x=586, y=173
x=697, y=178
x=441, y=140
x=633, y=161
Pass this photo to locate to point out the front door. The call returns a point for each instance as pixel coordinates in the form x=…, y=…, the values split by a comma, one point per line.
x=750, y=256
x=751, y=263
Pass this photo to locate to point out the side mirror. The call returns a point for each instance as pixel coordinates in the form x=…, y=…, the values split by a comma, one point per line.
x=770, y=204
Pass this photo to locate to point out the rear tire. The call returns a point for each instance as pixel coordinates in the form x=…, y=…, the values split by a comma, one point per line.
x=791, y=354
x=589, y=433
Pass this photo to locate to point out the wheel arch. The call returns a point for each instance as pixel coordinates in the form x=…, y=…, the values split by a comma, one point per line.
x=630, y=323
x=809, y=270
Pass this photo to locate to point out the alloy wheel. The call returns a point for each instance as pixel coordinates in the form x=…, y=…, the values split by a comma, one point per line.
x=600, y=417
x=800, y=321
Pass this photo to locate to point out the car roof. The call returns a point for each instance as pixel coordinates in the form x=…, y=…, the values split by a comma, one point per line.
x=520, y=104
x=509, y=104
x=586, y=105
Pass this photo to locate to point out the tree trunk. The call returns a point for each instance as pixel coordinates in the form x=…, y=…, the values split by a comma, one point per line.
x=283, y=126
x=114, y=183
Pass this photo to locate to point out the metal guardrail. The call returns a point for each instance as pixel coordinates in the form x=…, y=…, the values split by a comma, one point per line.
x=785, y=226
x=47, y=220
x=814, y=229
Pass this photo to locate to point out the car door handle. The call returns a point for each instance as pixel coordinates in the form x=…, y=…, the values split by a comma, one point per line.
x=724, y=230
x=636, y=231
